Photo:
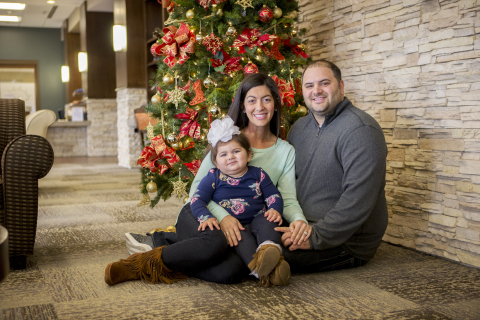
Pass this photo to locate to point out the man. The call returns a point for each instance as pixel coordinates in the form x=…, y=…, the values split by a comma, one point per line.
x=340, y=170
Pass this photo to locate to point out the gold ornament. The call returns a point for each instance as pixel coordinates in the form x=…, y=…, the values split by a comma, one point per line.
x=214, y=110
x=208, y=82
x=156, y=99
x=150, y=133
x=187, y=141
x=245, y=4
x=214, y=7
x=231, y=31
x=203, y=137
x=302, y=110
x=176, y=96
x=294, y=31
x=219, y=12
x=179, y=188
x=172, y=138
x=292, y=15
x=177, y=145
x=185, y=200
x=151, y=186
x=167, y=79
x=199, y=37
x=144, y=201
x=277, y=12
x=190, y=14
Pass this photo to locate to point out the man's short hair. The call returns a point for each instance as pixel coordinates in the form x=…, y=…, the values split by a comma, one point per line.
x=325, y=63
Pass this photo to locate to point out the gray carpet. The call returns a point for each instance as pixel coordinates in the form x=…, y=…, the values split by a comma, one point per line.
x=86, y=209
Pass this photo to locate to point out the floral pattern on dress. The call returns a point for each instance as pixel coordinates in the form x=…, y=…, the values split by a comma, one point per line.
x=236, y=205
x=211, y=170
x=256, y=188
x=229, y=180
x=202, y=219
x=270, y=200
x=194, y=197
x=233, y=182
x=262, y=175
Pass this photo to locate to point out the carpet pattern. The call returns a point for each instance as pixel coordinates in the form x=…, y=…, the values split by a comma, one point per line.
x=86, y=209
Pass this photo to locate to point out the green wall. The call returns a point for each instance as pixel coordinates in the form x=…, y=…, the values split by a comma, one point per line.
x=45, y=46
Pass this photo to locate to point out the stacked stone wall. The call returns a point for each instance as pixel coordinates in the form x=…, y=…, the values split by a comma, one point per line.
x=102, y=132
x=129, y=141
x=414, y=65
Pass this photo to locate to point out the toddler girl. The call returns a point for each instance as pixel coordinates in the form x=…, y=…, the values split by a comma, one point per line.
x=249, y=195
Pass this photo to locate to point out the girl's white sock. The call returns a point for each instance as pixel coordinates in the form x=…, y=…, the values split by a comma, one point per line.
x=269, y=242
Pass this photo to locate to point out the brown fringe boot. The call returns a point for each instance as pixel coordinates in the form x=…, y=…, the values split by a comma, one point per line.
x=147, y=266
x=264, y=261
x=280, y=276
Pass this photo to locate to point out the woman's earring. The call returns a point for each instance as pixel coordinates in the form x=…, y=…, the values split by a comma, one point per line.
x=275, y=109
x=243, y=111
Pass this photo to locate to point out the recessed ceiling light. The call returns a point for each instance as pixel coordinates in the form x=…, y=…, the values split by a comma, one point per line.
x=12, y=6
x=10, y=18
x=50, y=1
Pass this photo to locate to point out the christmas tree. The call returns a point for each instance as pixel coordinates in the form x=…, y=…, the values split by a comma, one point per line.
x=204, y=51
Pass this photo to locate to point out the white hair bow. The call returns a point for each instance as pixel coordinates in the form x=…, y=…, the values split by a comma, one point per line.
x=222, y=130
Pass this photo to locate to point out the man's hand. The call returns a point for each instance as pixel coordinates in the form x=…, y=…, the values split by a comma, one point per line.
x=301, y=231
x=231, y=228
x=287, y=240
x=274, y=215
x=210, y=222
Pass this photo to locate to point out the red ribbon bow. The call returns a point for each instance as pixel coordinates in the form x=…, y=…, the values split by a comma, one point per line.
x=193, y=166
x=295, y=48
x=176, y=43
x=157, y=150
x=190, y=127
x=252, y=38
x=286, y=91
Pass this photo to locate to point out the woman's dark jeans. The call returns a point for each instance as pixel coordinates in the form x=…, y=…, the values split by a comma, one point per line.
x=206, y=255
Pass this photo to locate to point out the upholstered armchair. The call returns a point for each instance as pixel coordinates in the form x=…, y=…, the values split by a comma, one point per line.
x=25, y=159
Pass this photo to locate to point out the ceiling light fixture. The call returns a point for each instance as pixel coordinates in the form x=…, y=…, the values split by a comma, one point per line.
x=50, y=2
x=10, y=18
x=12, y=6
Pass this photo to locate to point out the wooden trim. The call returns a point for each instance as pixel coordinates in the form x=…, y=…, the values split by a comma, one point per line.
x=26, y=64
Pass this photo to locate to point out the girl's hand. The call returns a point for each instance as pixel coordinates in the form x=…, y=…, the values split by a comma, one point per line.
x=301, y=231
x=210, y=222
x=273, y=215
x=231, y=228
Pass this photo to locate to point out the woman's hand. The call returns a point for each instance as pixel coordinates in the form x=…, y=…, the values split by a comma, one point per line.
x=231, y=228
x=273, y=215
x=210, y=222
x=301, y=231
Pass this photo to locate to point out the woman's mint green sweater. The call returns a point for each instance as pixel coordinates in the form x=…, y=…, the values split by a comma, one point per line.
x=279, y=163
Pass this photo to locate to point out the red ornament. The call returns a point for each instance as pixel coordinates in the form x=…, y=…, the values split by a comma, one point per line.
x=265, y=14
x=250, y=68
x=213, y=43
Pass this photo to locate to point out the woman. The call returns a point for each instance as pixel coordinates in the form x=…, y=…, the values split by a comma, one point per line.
x=204, y=254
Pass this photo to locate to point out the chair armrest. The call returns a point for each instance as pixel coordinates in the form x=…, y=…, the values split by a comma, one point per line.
x=28, y=155
x=25, y=160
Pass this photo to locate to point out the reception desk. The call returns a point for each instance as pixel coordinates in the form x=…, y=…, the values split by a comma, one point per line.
x=68, y=138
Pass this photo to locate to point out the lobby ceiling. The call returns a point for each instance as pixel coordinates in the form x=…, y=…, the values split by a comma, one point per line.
x=40, y=14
